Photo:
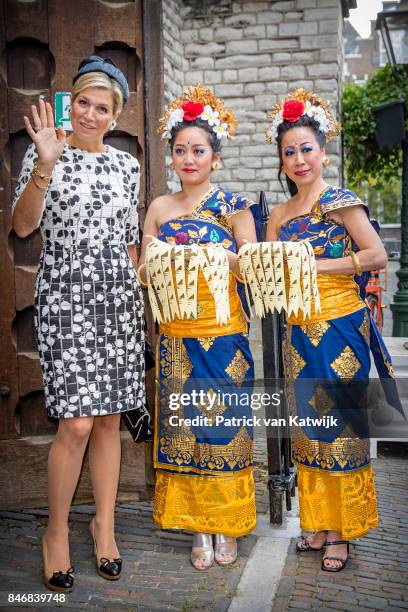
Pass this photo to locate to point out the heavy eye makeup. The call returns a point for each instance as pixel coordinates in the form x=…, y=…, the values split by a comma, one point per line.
x=304, y=148
x=199, y=151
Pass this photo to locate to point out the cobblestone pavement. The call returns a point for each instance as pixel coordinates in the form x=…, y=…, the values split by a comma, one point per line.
x=157, y=574
x=376, y=577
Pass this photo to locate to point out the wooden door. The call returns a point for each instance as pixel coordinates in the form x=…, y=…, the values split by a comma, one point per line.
x=42, y=43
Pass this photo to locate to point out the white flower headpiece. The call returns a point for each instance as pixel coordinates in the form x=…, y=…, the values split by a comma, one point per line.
x=299, y=103
x=198, y=103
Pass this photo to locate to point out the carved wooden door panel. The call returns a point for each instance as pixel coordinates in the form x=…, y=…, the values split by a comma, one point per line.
x=42, y=43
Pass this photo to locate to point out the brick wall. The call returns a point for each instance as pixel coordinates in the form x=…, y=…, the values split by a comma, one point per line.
x=252, y=54
x=174, y=65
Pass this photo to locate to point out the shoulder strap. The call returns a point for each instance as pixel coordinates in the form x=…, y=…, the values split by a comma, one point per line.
x=334, y=198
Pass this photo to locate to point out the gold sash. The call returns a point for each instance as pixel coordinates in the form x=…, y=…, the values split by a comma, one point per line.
x=205, y=324
x=338, y=297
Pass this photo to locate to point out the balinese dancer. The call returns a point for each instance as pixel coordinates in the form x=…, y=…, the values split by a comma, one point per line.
x=83, y=195
x=204, y=479
x=332, y=347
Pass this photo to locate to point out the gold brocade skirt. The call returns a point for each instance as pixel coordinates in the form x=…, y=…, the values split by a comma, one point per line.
x=345, y=503
x=206, y=485
x=335, y=479
x=219, y=504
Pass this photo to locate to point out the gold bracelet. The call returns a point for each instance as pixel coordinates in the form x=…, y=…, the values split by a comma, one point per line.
x=37, y=185
x=240, y=280
x=37, y=172
x=142, y=283
x=356, y=263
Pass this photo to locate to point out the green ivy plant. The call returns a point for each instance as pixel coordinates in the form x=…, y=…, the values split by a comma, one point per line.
x=364, y=163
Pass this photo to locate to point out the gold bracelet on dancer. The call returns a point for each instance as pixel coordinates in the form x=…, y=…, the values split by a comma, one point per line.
x=240, y=280
x=356, y=263
x=142, y=283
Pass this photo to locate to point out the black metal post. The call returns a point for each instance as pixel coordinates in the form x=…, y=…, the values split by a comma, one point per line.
x=281, y=476
x=400, y=306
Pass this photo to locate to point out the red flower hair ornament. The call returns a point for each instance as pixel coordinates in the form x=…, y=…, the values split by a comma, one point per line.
x=293, y=110
x=192, y=110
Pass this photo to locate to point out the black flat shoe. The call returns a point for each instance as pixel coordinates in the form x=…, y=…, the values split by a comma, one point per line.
x=110, y=569
x=304, y=545
x=58, y=580
x=343, y=562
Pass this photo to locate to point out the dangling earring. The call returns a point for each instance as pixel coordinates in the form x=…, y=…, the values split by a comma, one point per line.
x=215, y=165
x=326, y=161
x=171, y=166
x=113, y=125
x=283, y=170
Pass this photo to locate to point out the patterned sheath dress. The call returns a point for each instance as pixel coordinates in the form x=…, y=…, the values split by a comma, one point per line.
x=88, y=302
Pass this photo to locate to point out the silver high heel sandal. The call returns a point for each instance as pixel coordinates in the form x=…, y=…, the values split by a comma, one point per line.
x=203, y=558
x=225, y=546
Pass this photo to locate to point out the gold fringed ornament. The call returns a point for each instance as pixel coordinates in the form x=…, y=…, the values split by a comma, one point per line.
x=281, y=276
x=172, y=280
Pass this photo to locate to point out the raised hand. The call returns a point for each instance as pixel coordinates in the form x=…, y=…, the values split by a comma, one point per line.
x=48, y=142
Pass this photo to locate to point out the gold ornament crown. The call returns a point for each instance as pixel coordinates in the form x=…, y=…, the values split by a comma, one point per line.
x=313, y=105
x=220, y=119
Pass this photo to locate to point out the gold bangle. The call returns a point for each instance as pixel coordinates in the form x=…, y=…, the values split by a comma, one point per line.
x=142, y=283
x=37, y=185
x=37, y=172
x=356, y=263
x=240, y=280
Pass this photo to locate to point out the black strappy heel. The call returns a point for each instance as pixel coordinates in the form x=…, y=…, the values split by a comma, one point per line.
x=309, y=548
x=342, y=561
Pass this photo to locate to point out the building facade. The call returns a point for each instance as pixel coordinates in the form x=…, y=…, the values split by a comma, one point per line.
x=361, y=55
x=252, y=54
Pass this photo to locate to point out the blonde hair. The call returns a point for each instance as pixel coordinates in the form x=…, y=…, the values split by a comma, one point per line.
x=103, y=81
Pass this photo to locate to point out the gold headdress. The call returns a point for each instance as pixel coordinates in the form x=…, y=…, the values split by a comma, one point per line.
x=198, y=102
x=303, y=102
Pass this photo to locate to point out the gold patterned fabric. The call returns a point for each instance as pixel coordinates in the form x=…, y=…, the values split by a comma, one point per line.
x=327, y=360
x=335, y=478
x=346, y=365
x=237, y=368
x=329, y=378
x=336, y=300
x=204, y=479
x=346, y=504
x=315, y=331
x=345, y=451
x=205, y=324
x=222, y=504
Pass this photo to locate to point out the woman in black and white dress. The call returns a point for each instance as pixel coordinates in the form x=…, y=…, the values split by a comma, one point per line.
x=83, y=195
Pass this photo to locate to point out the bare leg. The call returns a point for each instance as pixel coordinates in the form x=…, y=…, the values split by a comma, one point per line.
x=104, y=463
x=64, y=466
